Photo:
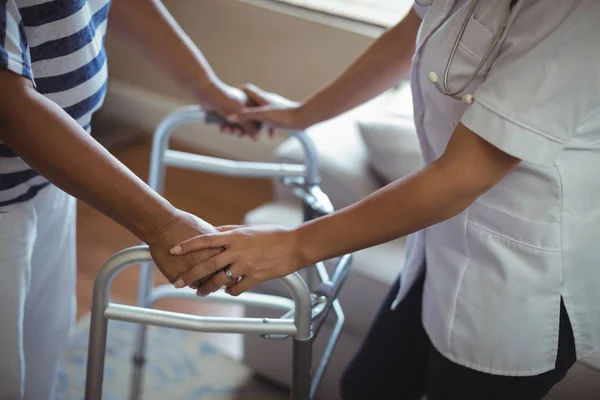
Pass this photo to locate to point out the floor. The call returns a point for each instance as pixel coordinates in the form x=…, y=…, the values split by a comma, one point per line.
x=218, y=200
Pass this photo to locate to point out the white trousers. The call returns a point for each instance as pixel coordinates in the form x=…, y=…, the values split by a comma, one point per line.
x=37, y=292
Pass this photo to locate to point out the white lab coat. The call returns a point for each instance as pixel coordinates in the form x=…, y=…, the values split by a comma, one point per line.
x=495, y=273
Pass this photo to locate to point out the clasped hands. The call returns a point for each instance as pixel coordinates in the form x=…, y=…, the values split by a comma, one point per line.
x=190, y=252
x=251, y=255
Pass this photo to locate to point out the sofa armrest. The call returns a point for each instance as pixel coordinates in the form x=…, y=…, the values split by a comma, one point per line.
x=346, y=176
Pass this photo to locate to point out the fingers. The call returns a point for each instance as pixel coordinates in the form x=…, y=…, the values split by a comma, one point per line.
x=202, y=242
x=204, y=269
x=261, y=113
x=256, y=96
x=247, y=128
x=218, y=281
x=250, y=128
x=202, y=281
x=243, y=285
x=247, y=122
x=225, y=228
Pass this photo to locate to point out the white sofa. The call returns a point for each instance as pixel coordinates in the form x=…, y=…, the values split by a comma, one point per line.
x=347, y=177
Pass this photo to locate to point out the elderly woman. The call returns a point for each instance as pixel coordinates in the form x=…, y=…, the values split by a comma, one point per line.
x=53, y=77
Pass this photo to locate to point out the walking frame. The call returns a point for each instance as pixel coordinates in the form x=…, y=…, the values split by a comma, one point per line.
x=303, y=315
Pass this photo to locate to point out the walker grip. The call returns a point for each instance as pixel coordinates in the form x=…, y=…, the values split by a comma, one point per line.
x=212, y=117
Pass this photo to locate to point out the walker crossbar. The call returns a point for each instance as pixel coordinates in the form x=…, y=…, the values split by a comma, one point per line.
x=304, y=313
x=161, y=156
x=187, y=322
x=228, y=167
x=248, y=298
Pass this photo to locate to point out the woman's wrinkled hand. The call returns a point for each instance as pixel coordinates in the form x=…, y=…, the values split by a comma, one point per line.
x=252, y=255
x=180, y=226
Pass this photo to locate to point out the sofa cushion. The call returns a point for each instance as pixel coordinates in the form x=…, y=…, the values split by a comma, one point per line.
x=390, y=138
x=343, y=162
x=392, y=146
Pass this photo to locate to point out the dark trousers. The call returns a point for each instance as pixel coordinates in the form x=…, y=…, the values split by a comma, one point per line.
x=397, y=361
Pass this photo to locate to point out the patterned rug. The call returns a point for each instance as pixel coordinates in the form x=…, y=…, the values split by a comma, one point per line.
x=180, y=366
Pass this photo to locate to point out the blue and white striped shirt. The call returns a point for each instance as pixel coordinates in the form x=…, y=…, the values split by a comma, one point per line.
x=58, y=44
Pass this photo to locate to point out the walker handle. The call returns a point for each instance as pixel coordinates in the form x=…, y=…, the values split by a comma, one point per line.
x=214, y=118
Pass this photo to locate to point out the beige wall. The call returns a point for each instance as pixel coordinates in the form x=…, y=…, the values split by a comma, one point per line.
x=244, y=42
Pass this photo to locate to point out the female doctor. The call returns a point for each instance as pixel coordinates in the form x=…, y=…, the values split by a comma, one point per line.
x=500, y=290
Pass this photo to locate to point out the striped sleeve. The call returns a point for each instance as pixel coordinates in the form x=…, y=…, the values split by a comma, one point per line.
x=14, y=50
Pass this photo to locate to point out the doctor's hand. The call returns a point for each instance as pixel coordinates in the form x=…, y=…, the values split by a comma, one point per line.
x=225, y=100
x=272, y=109
x=180, y=226
x=252, y=255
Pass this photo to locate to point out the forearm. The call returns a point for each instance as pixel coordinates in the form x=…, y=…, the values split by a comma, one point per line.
x=469, y=167
x=58, y=148
x=403, y=207
x=149, y=27
x=385, y=63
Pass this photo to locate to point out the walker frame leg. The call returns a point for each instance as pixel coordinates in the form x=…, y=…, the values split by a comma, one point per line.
x=139, y=356
x=301, y=369
x=96, y=353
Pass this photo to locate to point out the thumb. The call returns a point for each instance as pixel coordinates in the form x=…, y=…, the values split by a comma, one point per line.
x=256, y=96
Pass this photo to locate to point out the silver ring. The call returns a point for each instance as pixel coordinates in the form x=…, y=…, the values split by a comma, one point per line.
x=229, y=275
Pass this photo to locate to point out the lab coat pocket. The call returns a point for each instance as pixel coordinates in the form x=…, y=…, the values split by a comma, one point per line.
x=511, y=256
x=511, y=282
x=510, y=228
x=476, y=40
x=517, y=257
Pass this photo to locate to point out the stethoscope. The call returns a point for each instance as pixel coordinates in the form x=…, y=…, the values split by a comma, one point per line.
x=433, y=77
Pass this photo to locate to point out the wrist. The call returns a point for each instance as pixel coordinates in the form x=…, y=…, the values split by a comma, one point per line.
x=206, y=88
x=306, y=244
x=154, y=234
x=309, y=113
